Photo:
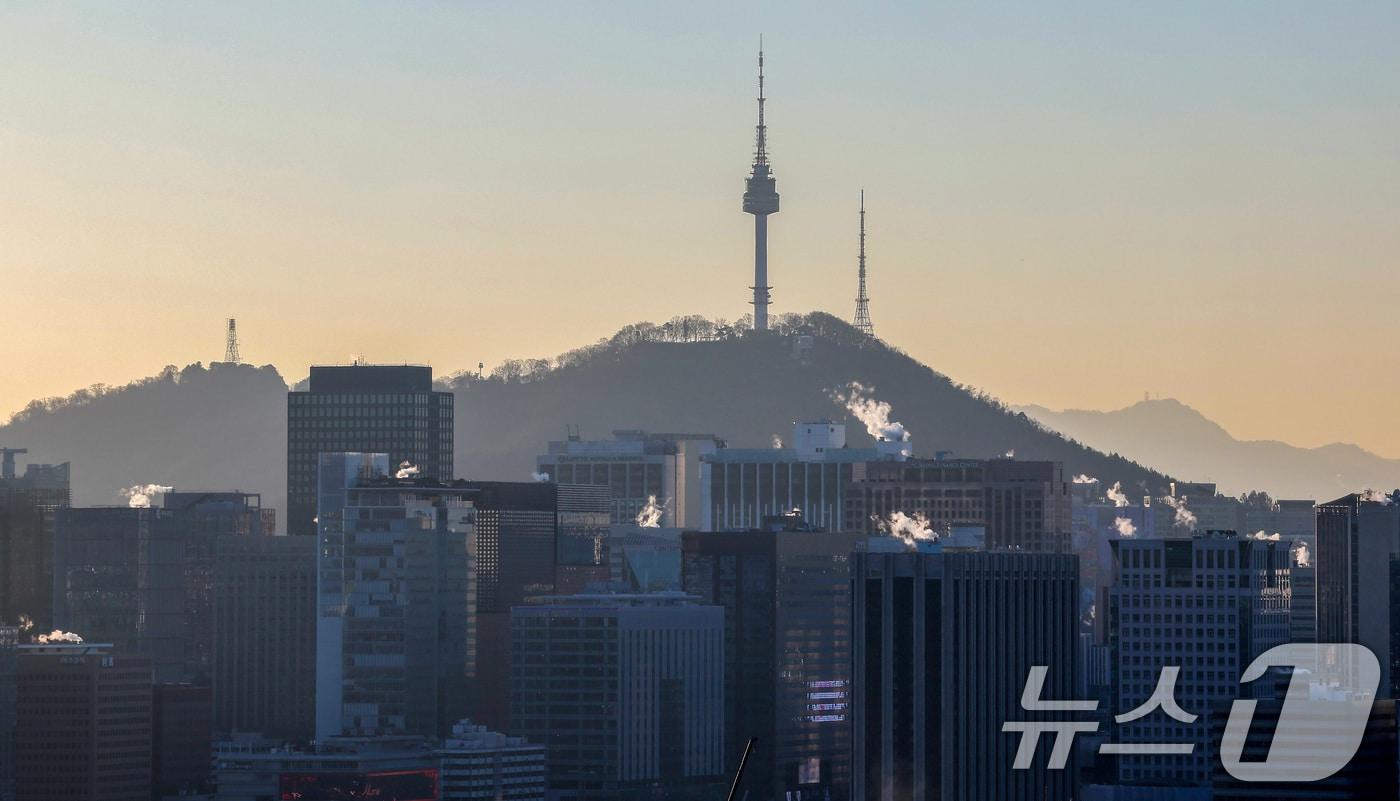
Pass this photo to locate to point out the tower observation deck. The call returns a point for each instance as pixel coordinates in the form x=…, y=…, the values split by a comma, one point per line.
x=760, y=200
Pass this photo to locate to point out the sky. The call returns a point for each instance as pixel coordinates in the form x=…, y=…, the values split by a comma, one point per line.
x=1069, y=204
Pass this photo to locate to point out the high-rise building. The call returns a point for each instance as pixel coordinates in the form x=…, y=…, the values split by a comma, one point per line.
x=181, y=739
x=482, y=765
x=83, y=724
x=740, y=487
x=393, y=619
x=786, y=599
x=264, y=635
x=9, y=641
x=581, y=551
x=1209, y=605
x=1021, y=504
x=637, y=467
x=369, y=409
x=1358, y=539
x=27, y=507
x=943, y=643
x=626, y=693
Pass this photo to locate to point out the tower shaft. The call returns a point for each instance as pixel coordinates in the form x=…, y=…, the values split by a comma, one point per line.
x=760, y=200
x=862, y=321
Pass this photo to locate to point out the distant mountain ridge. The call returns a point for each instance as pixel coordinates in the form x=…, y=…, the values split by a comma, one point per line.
x=224, y=426
x=1180, y=440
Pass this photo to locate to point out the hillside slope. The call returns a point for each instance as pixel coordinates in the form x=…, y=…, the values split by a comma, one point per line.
x=1175, y=437
x=224, y=427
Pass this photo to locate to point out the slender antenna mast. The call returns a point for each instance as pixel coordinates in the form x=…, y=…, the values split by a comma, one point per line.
x=862, y=321
x=231, y=348
x=760, y=200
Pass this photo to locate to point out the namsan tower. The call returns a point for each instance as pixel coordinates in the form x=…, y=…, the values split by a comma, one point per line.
x=760, y=200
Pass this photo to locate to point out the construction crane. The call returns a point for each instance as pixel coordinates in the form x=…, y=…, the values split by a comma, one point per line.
x=7, y=461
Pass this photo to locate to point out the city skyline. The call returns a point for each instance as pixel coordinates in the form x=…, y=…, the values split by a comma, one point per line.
x=1078, y=187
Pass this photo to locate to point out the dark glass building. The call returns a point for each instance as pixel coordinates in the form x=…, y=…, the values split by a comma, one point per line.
x=1021, y=504
x=28, y=504
x=786, y=600
x=1358, y=536
x=368, y=409
x=942, y=644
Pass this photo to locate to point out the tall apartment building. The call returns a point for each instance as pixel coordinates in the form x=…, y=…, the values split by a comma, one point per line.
x=264, y=635
x=482, y=765
x=27, y=507
x=787, y=640
x=83, y=724
x=626, y=693
x=364, y=408
x=636, y=466
x=1208, y=604
x=942, y=645
x=1021, y=504
x=393, y=617
x=1358, y=543
x=740, y=487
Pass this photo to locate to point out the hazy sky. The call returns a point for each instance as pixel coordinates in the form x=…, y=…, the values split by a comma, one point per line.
x=1069, y=204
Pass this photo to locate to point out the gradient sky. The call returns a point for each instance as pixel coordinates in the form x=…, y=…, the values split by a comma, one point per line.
x=1069, y=204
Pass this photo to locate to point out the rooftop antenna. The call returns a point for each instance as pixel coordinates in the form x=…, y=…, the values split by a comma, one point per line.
x=862, y=321
x=231, y=348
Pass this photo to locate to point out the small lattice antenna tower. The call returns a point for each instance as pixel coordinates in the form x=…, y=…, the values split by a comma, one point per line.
x=862, y=321
x=231, y=348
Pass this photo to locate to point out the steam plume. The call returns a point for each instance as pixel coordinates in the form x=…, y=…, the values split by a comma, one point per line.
x=1301, y=556
x=1260, y=535
x=1376, y=496
x=1115, y=493
x=1084, y=478
x=407, y=470
x=907, y=528
x=139, y=496
x=1125, y=527
x=873, y=414
x=777, y=442
x=26, y=624
x=650, y=516
x=540, y=477
x=1185, y=518
x=59, y=636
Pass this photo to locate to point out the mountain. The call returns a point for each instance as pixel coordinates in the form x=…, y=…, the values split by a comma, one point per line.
x=1180, y=440
x=224, y=426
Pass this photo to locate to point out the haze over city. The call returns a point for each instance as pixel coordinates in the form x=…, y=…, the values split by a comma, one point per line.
x=1193, y=200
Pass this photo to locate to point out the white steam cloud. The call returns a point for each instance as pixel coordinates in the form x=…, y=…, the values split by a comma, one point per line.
x=407, y=470
x=1115, y=493
x=650, y=516
x=26, y=624
x=777, y=442
x=1301, y=556
x=540, y=477
x=1266, y=537
x=1376, y=496
x=873, y=414
x=1011, y=454
x=139, y=496
x=1084, y=478
x=59, y=636
x=911, y=529
x=1185, y=518
x=1125, y=527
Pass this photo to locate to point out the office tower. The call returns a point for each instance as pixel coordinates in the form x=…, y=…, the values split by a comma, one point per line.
x=637, y=466
x=1295, y=521
x=1209, y=604
x=1211, y=510
x=581, y=554
x=482, y=765
x=390, y=768
x=264, y=635
x=1302, y=580
x=514, y=559
x=739, y=487
x=1371, y=775
x=27, y=507
x=760, y=200
x=1358, y=538
x=392, y=619
x=181, y=739
x=645, y=559
x=364, y=408
x=83, y=724
x=626, y=693
x=1024, y=505
x=787, y=640
x=942, y=645
x=9, y=641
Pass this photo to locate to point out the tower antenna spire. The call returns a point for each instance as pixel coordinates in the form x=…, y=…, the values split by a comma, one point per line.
x=231, y=344
x=760, y=200
x=862, y=321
